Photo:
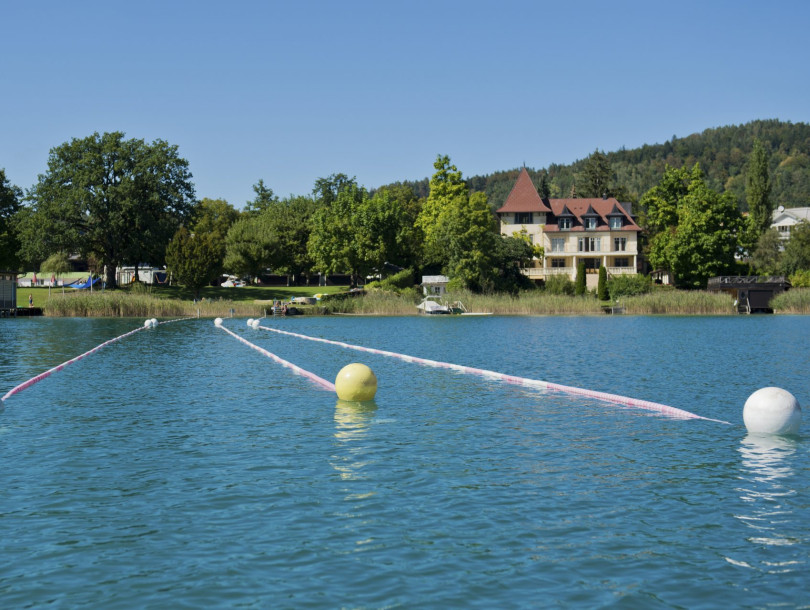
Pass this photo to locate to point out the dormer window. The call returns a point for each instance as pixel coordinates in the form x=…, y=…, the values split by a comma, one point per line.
x=616, y=222
x=564, y=224
x=590, y=223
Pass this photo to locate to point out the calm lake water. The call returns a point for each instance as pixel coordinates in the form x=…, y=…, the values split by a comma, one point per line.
x=178, y=468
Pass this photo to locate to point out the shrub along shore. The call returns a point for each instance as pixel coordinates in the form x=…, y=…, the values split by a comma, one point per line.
x=250, y=302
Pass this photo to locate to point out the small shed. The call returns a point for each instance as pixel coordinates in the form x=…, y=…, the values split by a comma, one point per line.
x=434, y=285
x=8, y=292
x=751, y=293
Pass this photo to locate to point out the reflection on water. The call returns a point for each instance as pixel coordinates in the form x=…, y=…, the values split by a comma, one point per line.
x=352, y=421
x=767, y=474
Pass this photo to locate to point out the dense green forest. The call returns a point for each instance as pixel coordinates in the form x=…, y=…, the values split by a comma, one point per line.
x=722, y=153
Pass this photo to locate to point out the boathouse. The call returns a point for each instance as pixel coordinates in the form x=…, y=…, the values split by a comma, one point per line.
x=751, y=293
x=8, y=293
x=435, y=285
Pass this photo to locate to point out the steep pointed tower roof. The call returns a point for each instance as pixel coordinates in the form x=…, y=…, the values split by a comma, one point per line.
x=524, y=197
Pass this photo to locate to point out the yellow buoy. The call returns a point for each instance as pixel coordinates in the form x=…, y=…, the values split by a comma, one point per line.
x=356, y=382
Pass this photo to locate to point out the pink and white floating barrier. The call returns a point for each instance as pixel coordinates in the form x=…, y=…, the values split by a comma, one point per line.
x=523, y=381
x=322, y=383
x=151, y=323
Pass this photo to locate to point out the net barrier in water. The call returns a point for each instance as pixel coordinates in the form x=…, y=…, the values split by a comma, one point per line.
x=49, y=372
x=512, y=379
x=320, y=382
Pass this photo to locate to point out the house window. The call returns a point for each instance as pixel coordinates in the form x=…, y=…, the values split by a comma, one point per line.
x=564, y=224
x=589, y=244
x=558, y=244
x=558, y=263
x=590, y=223
x=616, y=222
x=619, y=244
x=523, y=218
x=621, y=261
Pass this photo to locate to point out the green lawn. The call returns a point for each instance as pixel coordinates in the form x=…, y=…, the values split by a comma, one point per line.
x=244, y=294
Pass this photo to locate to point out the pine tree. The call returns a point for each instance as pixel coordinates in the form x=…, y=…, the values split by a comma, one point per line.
x=596, y=177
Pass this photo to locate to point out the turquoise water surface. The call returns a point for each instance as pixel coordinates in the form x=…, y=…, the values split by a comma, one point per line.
x=178, y=468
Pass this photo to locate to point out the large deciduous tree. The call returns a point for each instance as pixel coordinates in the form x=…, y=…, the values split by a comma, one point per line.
x=214, y=217
x=290, y=221
x=767, y=256
x=694, y=230
x=194, y=259
x=10, y=196
x=339, y=242
x=796, y=256
x=446, y=186
x=250, y=246
x=459, y=229
x=105, y=196
x=355, y=232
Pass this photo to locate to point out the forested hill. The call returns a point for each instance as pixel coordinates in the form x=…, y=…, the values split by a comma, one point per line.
x=722, y=153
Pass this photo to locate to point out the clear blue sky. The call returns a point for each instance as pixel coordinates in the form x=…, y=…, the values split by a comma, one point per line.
x=290, y=91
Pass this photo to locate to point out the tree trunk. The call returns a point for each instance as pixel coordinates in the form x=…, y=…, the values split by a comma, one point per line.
x=110, y=281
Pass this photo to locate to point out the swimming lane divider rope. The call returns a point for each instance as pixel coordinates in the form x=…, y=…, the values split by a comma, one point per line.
x=533, y=383
x=49, y=372
x=322, y=383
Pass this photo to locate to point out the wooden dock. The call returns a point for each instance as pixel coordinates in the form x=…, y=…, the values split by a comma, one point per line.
x=20, y=312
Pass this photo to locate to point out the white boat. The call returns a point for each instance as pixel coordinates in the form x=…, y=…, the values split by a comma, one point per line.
x=433, y=305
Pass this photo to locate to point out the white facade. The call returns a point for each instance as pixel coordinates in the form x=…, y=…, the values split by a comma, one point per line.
x=434, y=284
x=617, y=251
x=784, y=219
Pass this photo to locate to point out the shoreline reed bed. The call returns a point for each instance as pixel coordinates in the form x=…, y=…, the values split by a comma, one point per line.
x=795, y=300
x=679, y=302
x=526, y=304
x=123, y=305
x=374, y=303
x=383, y=303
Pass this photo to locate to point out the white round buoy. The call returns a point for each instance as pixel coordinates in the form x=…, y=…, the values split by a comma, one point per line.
x=147, y=324
x=217, y=321
x=255, y=324
x=772, y=411
x=356, y=382
x=154, y=322
x=250, y=322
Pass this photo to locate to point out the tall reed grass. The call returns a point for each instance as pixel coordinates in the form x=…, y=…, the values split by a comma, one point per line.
x=679, y=302
x=796, y=300
x=526, y=303
x=384, y=303
x=126, y=305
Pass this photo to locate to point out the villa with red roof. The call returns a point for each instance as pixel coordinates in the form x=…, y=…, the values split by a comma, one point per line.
x=597, y=231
